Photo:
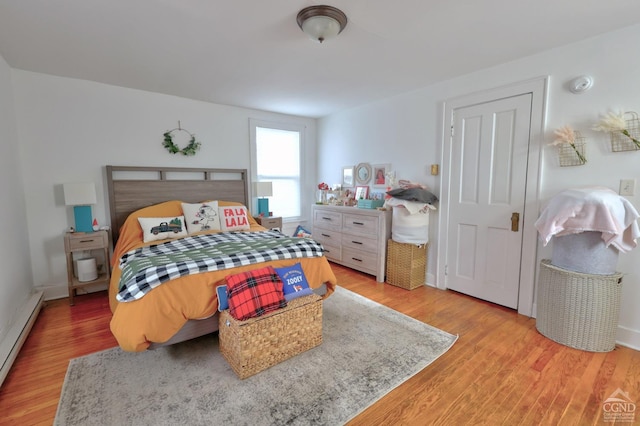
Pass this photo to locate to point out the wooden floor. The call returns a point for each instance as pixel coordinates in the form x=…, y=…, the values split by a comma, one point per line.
x=500, y=371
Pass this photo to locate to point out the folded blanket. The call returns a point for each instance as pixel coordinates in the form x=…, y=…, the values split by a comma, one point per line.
x=597, y=209
x=413, y=207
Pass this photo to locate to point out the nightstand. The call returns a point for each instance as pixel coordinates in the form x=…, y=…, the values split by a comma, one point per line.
x=84, y=241
x=270, y=222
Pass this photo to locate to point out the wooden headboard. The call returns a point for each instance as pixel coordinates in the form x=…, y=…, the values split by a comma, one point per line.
x=131, y=188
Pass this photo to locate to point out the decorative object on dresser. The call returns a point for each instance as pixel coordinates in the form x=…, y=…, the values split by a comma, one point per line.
x=380, y=175
x=348, y=177
x=363, y=173
x=362, y=192
x=270, y=222
x=356, y=238
x=87, y=271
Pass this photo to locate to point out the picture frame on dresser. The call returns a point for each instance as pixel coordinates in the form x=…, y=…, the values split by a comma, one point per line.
x=347, y=177
x=362, y=192
x=380, y=178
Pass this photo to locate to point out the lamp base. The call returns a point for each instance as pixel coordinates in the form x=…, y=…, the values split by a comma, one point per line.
x=82, y=216
x=263, y=206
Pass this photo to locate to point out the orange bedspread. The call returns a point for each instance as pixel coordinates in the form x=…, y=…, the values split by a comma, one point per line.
x=158, y=315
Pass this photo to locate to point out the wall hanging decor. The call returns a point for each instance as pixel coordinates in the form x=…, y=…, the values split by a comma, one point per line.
x=571, y=147
x=363, y=173
x=380, y=175
x=191, y=147
x=347, y=176
x=624, y=129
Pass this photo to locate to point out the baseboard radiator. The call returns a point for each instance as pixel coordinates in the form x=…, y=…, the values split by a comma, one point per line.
x=15, y=338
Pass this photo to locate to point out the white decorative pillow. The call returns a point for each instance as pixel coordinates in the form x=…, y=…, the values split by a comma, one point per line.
x=234, y=218
x=161, y=228
x=201, y=216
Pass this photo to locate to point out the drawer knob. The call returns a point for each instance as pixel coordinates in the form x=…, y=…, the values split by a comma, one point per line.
x=358, y=223
x=326, y=235
x=356, y=242
x=326, y=218
x=356, y=259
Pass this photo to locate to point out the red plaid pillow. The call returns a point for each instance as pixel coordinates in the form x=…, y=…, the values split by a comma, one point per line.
x=254, y=293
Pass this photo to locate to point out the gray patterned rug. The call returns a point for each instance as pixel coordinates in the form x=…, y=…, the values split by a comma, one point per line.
x=367, y=350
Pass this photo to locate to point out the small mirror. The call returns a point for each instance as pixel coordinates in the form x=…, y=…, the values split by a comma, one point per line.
x=363, y=173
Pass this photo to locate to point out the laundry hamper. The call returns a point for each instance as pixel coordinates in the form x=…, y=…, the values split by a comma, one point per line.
x=406, y=264
x=578, y=310
x=256, y=344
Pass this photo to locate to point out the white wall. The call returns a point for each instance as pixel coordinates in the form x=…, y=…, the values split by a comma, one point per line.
x=406, y=131
x=15, y=280
x=70, y=129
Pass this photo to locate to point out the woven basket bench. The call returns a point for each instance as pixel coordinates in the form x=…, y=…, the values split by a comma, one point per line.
x=578, y=310
x=256, y=344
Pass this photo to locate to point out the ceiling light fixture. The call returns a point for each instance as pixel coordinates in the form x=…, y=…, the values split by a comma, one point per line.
x=322, y=22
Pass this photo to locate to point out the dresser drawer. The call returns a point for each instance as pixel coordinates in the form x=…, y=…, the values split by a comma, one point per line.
x=86, y=242
x=360, y=224
x=327, y=236
x=357, y=242
x=360, y=260
x=332, y=252
x=327, y=219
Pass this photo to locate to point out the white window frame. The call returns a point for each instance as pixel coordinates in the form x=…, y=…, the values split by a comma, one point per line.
x=293, y=127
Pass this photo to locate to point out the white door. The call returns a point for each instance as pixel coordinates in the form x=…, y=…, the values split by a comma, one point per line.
x=489, y=153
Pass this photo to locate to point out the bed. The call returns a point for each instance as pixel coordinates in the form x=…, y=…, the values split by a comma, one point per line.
x=184, y=307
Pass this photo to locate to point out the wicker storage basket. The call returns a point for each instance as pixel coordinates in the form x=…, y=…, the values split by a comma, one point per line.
x=259, y=343
x=578, y=310
x=406, y=264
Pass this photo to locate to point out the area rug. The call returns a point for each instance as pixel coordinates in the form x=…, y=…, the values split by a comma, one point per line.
x=367, y=351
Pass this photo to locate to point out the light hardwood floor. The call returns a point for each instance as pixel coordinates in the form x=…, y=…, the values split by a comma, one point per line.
x=500, y=371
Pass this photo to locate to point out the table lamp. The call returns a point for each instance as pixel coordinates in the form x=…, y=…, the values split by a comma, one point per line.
x=263, y=189
x=81, y=196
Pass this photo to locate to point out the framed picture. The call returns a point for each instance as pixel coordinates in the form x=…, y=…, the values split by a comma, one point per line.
x=362, y=192
x=380, y=171
x=347, y=177
x=363, y=173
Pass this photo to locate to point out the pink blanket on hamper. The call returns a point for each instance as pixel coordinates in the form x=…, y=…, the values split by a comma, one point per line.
x=597, y=209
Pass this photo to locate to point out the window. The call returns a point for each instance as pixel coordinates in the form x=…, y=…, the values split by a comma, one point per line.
x=276, y=152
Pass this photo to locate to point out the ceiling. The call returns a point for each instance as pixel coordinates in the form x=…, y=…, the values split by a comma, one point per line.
x=251, y=53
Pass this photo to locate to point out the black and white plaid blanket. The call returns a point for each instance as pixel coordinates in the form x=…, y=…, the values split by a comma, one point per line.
x=147, y=267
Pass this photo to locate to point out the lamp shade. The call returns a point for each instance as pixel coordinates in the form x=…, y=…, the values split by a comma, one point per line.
x=263, y=189
x=79, y=194
x=321, y=22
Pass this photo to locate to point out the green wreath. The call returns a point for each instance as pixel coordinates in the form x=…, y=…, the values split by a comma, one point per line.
x=190, y=149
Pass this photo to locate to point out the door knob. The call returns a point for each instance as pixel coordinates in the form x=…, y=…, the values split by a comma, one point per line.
x=515, y=221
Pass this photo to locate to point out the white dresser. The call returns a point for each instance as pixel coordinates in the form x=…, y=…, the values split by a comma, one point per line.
x=353, y=237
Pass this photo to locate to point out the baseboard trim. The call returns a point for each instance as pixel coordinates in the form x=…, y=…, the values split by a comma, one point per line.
x=628, y=337
x=15, y=338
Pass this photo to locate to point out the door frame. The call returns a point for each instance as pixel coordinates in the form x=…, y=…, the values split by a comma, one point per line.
x=538, y=87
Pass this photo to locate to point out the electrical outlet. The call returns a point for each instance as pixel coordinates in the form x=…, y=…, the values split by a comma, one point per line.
x=627, y=187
